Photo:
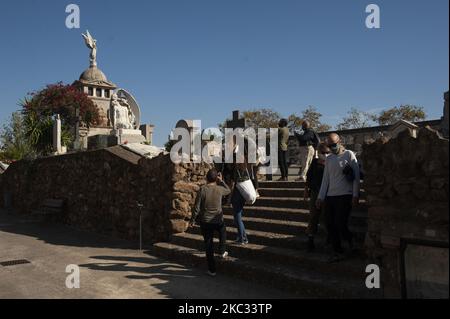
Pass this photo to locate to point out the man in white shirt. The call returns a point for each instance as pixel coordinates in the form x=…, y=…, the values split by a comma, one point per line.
x=339, y=192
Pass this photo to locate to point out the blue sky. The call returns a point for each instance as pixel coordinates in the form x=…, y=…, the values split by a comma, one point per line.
x=201, y=59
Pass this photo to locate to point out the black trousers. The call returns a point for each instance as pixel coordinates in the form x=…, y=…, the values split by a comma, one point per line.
x=337, y=213
x=282, y=162
x=208, y=236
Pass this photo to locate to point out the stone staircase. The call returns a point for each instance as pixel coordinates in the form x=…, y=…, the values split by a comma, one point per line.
x=276, y=255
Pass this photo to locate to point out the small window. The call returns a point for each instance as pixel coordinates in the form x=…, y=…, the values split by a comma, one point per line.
x=90, y=91
x=107, y=94
x=98, y=92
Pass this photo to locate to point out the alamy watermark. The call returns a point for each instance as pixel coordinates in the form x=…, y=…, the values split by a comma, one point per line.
x=73, y=280
x=373, y=279
x=73, y=19
x=373, y=20
x=250, y=146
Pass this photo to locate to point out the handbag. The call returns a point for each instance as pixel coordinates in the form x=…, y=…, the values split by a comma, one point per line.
x=247, y=189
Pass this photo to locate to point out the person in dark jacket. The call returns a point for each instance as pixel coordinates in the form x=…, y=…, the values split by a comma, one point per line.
x=208, y=213
x=313, y=184
x=308, y=141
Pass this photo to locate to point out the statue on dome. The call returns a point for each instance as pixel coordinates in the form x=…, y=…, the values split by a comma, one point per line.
x=91, y=44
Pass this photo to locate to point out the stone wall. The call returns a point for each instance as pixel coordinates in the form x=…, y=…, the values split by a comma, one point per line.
x=406, y=181
x=101, y=190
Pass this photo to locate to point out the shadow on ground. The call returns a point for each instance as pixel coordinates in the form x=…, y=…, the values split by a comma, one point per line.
x=57, y=234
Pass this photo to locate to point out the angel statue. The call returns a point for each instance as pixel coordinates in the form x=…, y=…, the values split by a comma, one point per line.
x=91, y=44
x=122, y=116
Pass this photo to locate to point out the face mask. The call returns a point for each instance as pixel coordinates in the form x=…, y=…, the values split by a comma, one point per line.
x=335, y=148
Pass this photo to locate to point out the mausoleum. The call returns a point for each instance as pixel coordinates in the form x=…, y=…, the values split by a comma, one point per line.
x=119, y=112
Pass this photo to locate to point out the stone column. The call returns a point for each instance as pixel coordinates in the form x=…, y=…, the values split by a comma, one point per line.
x=147, y=131
x=57, y=148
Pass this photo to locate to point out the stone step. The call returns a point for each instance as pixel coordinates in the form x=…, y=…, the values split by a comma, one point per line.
x=285, y=227
x=282, y=202
x=266, y=238
x=289, y=192
x=300, y=281
x=276, y=184
x=281, y=192
x=291, y=214
x=294, y=202
x=273, y=213
x=286, y=256
x=275, y=226
x=291, y=178
x=294, y=241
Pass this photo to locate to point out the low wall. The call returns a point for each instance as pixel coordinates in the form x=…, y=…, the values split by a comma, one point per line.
x=406, y=181
x=355, y=139
x=101, y=190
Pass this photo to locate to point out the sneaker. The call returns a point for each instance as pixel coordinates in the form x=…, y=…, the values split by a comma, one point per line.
x=224, y=255
x=212, y=274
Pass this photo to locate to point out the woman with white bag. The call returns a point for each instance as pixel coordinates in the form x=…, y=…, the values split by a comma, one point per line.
x=243, y=192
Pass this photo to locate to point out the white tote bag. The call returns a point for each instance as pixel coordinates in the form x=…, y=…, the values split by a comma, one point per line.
x=247, y=190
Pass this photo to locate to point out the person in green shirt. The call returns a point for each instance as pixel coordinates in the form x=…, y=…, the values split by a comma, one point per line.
x=208, y=213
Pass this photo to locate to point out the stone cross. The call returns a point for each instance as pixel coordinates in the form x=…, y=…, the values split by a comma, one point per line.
x=236, y=122
x=57, y=148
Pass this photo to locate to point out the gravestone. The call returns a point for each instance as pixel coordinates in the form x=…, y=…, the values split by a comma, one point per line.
x=236, y=122
x=194, y=129
x=401, y=126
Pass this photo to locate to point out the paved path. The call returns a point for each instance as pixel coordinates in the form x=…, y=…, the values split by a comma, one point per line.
x=109, y=268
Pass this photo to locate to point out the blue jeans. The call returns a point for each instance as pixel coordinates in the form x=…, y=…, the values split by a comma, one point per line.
x=238, y=202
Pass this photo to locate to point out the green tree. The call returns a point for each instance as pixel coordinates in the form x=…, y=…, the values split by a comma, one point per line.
x=267, y=118
x=169, y=144
x=262, y=118
x=313, y=116
x=411, y=113
x=39, y=109
x=256, y=118
x=355, y=119
x=14, y=143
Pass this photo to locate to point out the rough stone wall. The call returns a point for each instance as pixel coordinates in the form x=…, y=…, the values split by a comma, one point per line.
x=101, y=190
x=406, y=181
